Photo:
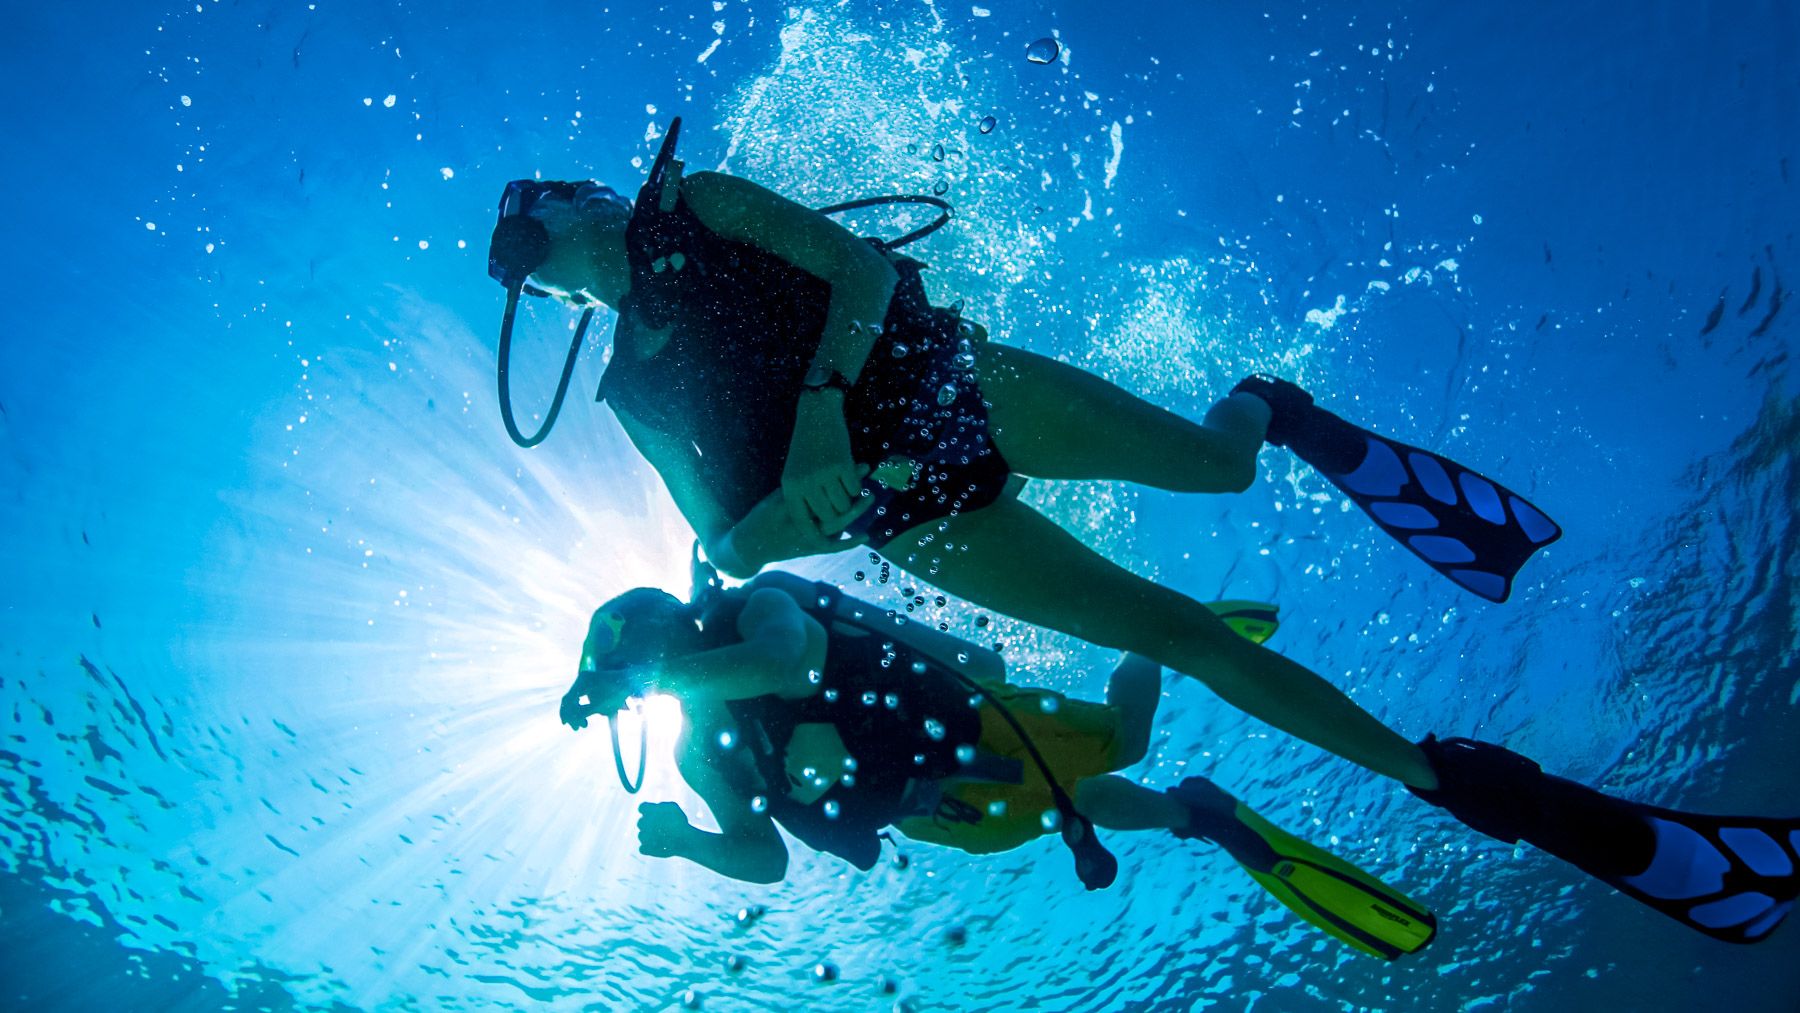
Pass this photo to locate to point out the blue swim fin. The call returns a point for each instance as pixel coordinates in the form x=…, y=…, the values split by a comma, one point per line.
x=1462, y=524
x=1732, y=877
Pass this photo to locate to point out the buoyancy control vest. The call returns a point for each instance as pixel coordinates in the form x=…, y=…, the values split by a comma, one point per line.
x=901, y=713
x=742, y=327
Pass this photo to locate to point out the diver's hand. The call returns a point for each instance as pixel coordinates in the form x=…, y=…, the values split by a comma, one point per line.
x=768, y=533
x=819, y=481
x=573, y=712
x=661, y=828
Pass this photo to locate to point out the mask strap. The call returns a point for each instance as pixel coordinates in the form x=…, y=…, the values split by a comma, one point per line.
x=562, y=386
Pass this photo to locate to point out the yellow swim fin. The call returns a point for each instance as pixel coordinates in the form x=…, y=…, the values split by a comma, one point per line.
x=1255, y=621
x=1321, y=888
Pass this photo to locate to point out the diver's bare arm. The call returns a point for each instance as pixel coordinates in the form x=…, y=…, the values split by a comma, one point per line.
x=738, y=549
x=748, y=847
x=861, y=279
x=771, y=659
x=679, y=467
x=767, y=534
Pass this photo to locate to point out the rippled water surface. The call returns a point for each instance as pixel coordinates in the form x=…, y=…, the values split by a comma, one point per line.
x=286, y=616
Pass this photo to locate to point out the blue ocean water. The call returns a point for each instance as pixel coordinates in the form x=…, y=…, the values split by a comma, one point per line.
x=286, y=616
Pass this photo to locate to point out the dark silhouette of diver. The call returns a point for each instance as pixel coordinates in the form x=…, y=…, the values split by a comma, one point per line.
x=806, y=708
x=799, y=394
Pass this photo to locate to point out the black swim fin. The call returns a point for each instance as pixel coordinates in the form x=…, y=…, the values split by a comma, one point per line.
x=1323, y=889
x=1733, y=878
x=1467, y=527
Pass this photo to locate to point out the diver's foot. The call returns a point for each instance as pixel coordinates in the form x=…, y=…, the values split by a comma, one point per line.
x=1733, y=878
x=1289, y=405
x=1315, y=435
x=1211, y=812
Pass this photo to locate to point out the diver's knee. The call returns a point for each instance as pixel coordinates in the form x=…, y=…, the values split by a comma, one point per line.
x=1136, y=679
x=1240, y=474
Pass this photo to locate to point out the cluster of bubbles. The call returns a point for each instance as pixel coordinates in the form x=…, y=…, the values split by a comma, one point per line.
x=823, y=971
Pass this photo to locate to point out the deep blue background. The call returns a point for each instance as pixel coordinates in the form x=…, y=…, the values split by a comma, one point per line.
x=238, y=758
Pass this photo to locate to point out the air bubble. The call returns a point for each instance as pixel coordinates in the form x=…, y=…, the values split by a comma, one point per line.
x=1044, y=50
x=987, y=124
x=935, y=729
x=937, y=153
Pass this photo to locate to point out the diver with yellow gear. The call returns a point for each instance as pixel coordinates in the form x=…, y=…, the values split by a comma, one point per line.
x=838, y=721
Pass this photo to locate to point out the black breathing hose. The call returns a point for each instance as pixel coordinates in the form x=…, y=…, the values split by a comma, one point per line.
x=562, y=386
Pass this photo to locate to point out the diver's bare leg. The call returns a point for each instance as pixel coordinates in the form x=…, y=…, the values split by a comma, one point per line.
x=1052, y=420
x=1009, y=558
x=1115, y=803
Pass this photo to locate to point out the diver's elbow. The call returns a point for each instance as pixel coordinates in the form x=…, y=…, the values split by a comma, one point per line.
x=771, y=866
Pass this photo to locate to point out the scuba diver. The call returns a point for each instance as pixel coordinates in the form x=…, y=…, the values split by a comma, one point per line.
x=808, y=709
x=836, y=719
x=799, y=394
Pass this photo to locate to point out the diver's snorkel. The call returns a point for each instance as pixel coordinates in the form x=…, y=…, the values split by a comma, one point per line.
x=612, y=726
x=582, y=700
x=520, y=245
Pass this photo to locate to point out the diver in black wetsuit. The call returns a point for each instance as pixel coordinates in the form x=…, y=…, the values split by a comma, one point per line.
x=804, y=708
x=799, y=395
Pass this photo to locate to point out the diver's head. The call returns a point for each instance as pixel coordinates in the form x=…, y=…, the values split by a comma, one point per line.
x=641, y=626
x=566, y=238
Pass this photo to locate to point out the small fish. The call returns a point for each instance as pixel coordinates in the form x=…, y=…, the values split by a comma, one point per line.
x=1755, y=290
x=1774, y=308
x=1712, y=319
